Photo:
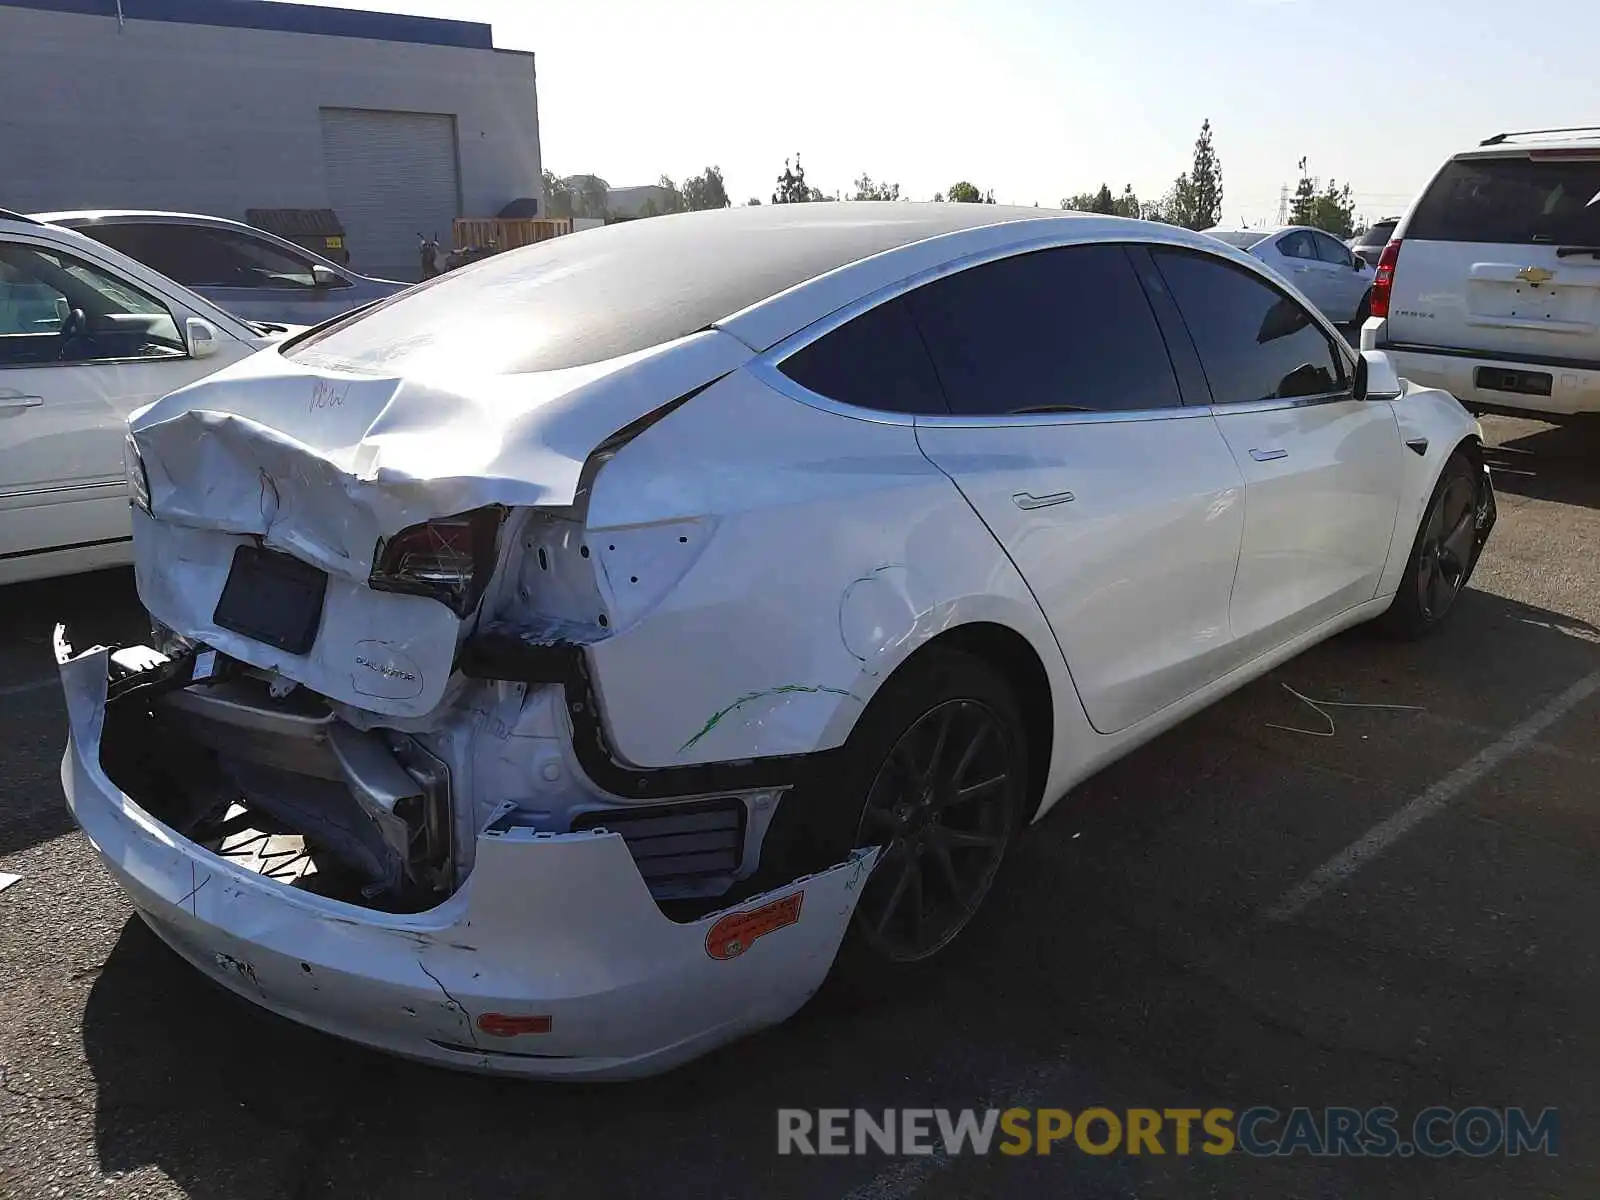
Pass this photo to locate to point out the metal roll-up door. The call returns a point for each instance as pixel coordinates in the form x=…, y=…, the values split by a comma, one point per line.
x=391, y=176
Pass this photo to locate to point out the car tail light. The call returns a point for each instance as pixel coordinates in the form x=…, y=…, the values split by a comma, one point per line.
x=448, y=559
x=138, y=477
x=1383, y=280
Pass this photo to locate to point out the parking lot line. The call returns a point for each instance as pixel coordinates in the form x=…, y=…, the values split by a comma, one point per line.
x=1377, y=839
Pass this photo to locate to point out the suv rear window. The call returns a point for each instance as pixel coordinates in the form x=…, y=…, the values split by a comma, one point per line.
x=1377, y=236
x=1518, y=200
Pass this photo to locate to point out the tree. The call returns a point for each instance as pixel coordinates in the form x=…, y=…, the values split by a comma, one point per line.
x=967, y=193
x=792, y=187
x=1332, y=209
x=866, y=189
x=1127, y=204
x=589, y=195
x=705, y=190
x=1195, y=200
x=753, y=202
x=557, y=196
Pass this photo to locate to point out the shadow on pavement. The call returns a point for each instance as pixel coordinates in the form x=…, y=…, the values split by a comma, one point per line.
x=1560, y=463
x=1117, y=962
x=97, y=607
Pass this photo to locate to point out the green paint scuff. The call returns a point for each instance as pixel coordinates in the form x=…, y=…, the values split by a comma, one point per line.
x=784, y=690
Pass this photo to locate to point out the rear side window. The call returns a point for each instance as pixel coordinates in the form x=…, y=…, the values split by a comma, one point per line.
x=174, y=251
x=1065, y=330
x=875, y=361
x=1254, y=342
x=1518, y=200
x=1297, y=245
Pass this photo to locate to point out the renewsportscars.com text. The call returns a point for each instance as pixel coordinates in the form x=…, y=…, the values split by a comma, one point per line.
x=1260, y=1132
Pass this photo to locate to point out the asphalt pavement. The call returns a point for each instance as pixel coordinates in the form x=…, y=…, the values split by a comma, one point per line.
x=1390, y=906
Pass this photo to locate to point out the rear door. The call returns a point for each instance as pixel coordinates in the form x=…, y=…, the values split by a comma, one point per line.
x=1301, y=267
x=1494, y=257
x=1322, y=470
x=1068, y=436
x=1347, y=282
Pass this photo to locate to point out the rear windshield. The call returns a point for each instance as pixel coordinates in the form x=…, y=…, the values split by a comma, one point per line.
x=1378, y=235
x=590, y=296
x=1242, y=238
x=1518, y=200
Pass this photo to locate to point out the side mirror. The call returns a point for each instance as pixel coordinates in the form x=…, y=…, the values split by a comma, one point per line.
x=325, y=277
x=1375, y=377
x=203, y=341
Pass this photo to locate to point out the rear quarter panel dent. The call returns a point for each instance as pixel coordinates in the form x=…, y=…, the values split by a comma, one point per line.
x=835, y=550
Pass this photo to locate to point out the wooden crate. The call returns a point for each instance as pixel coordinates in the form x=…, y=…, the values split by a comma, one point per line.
x=506, y=233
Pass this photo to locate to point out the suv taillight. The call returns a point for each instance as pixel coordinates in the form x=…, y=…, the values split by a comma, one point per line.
x=448, y=559
x=1383, y=279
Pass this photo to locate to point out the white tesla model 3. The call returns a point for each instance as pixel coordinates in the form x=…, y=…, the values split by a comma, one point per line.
x=561, y=667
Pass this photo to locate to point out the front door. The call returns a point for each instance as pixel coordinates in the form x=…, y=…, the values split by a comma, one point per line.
x=1120, y=507
x=80, y=349
x=1322, y=470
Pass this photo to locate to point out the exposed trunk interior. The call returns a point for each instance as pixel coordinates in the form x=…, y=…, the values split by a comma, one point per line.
x=281, y=786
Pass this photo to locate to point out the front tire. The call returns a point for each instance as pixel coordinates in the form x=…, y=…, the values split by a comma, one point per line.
x=1443, y=554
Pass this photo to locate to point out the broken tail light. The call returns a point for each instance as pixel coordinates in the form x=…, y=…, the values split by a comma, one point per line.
x=448, y=559
x=138, y=477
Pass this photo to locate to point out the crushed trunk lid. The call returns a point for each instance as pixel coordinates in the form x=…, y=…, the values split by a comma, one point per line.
x=322, y=466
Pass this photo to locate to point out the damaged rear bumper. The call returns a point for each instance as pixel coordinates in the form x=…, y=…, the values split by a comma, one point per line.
x=552, y=959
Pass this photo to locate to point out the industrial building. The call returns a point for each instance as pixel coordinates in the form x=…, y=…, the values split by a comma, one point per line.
x=398, y=124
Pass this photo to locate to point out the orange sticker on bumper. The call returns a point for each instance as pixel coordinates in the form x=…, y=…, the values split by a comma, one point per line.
x=736, y=932
x=513, y=1025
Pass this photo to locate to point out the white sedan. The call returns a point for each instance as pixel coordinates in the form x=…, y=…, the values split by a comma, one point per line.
x=87, y=336
x=563, y=666
x=1319, y=265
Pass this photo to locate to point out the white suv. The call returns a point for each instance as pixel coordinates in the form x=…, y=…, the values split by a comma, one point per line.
x=1490, y=287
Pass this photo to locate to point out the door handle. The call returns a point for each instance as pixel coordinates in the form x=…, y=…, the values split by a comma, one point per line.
x=1029, y=500
x=1268, y=455
x=15, y=399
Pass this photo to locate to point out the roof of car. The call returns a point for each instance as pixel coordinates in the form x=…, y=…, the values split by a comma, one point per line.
x=622, y=287
x=1519, y=142
x=90, y=216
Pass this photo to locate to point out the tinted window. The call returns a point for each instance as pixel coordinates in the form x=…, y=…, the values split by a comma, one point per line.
x=1255, y=343
x=201, y=257
x=622, y=288
x=57, y=308
x=1065, y=329
x=1511, y=200
x=1297, y=245
x=1330, y=251
x=876, y=361
x=174, y=251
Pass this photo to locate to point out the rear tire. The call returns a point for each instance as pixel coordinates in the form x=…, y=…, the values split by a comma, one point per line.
x=935, y=773
x=1443, y=554
x=1363, y=311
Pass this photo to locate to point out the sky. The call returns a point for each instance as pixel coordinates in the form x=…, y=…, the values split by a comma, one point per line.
x=1041, y=100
